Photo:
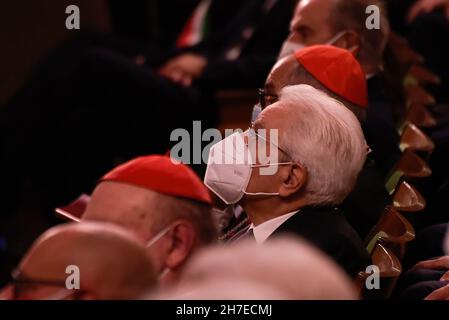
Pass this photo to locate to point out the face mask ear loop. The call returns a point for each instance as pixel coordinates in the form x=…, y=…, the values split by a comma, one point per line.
x=261, y=193
x=266, y=193
x=163, y=274
x=336, y=38
x=271, y=164
x=157, y=237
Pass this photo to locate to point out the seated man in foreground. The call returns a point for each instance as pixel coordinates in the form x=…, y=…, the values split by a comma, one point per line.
x=337, y=73
x=321, y=151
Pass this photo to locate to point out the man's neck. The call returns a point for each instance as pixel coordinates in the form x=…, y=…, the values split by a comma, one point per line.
x=260, y=211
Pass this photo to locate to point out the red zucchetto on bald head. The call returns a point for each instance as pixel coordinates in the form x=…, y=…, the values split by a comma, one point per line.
x=336, y=69
x=161, y=174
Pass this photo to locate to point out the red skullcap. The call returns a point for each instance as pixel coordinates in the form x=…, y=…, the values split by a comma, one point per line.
x=337, y=70
x=161, y=174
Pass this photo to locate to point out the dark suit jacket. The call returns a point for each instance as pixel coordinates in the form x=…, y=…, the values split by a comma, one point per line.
x=259, y=52
x=379, y=127
x=327, y=229
x=365, y=204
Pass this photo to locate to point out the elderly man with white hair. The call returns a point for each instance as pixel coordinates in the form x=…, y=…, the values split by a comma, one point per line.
x=296, y=186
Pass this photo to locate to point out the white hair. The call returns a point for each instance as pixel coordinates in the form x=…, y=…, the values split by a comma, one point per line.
x=325, y=137
x=221, y=289
x=284, y=268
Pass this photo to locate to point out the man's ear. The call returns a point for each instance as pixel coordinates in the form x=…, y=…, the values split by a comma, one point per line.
x=293, y=181
x=182, y=237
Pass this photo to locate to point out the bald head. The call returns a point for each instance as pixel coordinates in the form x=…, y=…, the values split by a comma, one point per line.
x=288, y=266
x=112, y=263
x=129, y=206
x=146, y=212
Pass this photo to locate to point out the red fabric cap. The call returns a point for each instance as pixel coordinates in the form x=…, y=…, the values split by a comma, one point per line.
x=160, y=174
x=337, y=70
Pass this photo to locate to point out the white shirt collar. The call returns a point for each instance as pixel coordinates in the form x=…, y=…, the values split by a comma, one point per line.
x=264, y=230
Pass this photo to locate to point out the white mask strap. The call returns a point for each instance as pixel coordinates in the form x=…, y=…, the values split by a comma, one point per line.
x=336, y=37
x=261, y=193
x=157, y=237
x=271, y=164
x=163, y=274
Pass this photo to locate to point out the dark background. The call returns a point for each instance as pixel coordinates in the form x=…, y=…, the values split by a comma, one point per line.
x=30, y=29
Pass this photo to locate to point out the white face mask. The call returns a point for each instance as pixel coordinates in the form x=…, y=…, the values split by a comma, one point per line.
x=227, y=175
x=291, y=47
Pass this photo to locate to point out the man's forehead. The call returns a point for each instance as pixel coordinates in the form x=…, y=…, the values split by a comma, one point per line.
x=279, y=76
x=312, y=10
x=117, y=197
x=305, y=6
x=118, y=188
x=271, y=118
x=283, y=63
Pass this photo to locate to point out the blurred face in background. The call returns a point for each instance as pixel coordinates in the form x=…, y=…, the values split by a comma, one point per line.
x=311, y=25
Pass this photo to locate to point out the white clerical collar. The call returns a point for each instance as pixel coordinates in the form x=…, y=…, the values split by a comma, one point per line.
x=264, y=230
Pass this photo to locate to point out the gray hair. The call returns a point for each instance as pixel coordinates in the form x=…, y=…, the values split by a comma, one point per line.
x=327, y=139
x=286, y=266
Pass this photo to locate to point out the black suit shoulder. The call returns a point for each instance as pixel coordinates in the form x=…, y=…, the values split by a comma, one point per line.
x=380, y=128
x=327, y=229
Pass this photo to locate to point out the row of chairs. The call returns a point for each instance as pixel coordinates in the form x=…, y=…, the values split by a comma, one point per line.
x=387, y=242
